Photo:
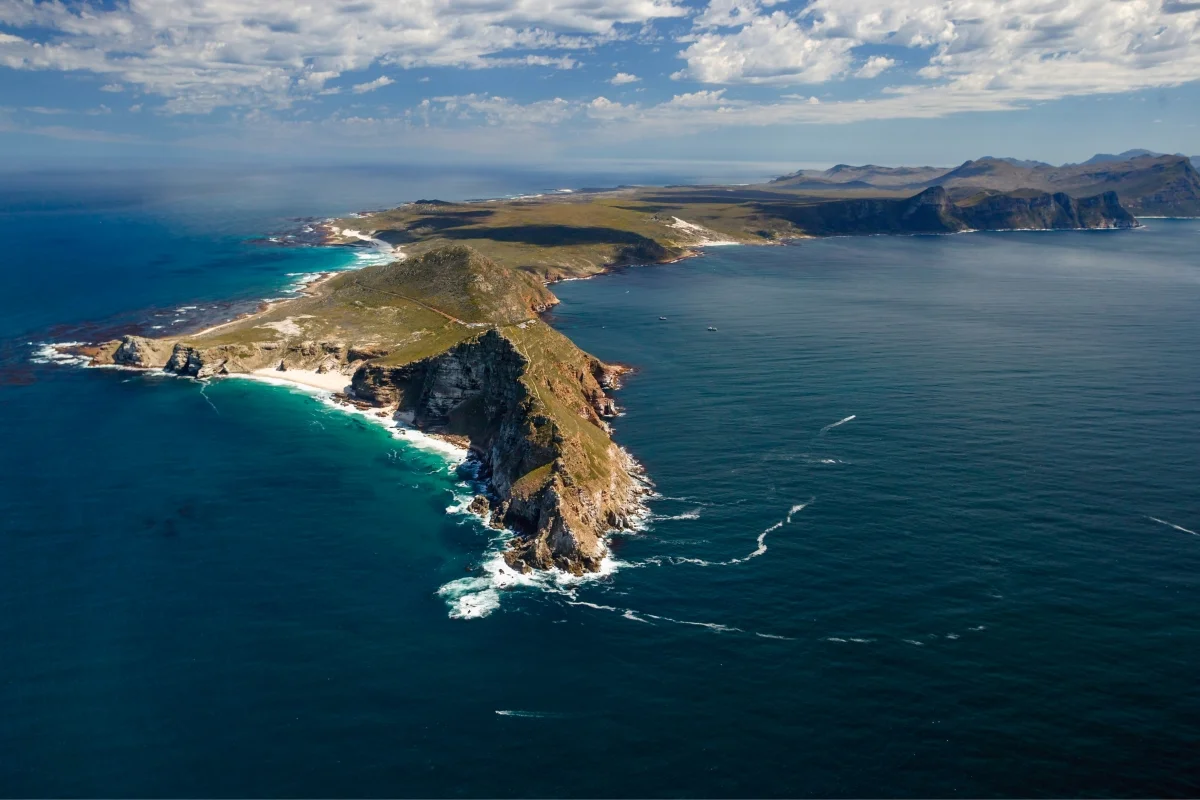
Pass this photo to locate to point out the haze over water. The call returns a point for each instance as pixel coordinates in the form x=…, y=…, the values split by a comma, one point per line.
x=974, y=459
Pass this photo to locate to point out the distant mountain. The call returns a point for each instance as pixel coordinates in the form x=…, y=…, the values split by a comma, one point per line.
x=1104, y=158
x=1147, y=183
x=1017, y=162
x=869, y=175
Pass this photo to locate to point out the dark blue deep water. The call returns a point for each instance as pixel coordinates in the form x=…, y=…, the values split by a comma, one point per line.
x=990, y=588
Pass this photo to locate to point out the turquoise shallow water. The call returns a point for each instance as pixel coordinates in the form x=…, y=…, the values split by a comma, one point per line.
x=235, y=592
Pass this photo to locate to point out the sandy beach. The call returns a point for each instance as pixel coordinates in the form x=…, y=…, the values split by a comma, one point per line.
x=329, y=381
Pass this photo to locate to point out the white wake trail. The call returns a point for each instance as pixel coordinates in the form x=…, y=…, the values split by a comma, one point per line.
x=758, y=551
x=1173, y=525
x=796, y=509
x=646, y=617
x=835, y=424
x=207, y=399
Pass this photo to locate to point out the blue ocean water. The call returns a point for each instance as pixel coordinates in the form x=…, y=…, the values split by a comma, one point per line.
x=925, y=527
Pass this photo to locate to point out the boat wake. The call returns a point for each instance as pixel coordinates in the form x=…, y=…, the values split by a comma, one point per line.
x=1173, y=525
x=646, y=617
x=761, y=549
x=831, y=426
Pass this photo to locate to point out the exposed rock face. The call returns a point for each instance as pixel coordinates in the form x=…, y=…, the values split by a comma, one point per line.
x=200, y=361
x=137, y=351
x=481, y=388
x=933, y=211
x=1045, y=211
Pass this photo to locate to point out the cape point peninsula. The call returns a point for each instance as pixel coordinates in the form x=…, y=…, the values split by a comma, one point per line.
x=447, y=337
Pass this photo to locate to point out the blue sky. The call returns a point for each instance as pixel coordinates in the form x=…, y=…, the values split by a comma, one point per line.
x=800, y=82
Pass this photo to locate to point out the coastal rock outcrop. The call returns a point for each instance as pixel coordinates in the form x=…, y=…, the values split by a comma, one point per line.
x=537, y=431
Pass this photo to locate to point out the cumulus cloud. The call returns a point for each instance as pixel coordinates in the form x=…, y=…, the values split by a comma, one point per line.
x=1014, y=48
x=937, y=57
x=774, y=48
x=204, y=54
x=875, y=66
x=370, y=86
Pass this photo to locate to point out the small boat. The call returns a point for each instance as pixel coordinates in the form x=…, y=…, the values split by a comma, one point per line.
x=711, y=328
x=664, y=319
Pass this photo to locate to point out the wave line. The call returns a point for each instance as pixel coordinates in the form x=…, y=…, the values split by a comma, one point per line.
x=1173, y=525
x=835, y=424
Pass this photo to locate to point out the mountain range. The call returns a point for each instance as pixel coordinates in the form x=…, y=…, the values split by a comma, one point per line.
x=1147, y=183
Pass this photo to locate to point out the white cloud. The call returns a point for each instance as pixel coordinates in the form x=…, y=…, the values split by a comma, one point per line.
x=112, y=87
x=492, y=110
x=1014, y=49
x=772, y=49
x=697, y=99
x=875, y=66
x=370, y=86
x=203, y=54
x=956, y=55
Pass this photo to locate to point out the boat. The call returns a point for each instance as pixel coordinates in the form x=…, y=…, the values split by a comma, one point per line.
x=711, y=328
x=664, y=319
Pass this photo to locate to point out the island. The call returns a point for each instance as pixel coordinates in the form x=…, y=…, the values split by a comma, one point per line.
x=449, y=337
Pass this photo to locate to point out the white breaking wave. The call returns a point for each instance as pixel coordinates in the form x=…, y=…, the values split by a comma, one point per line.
x=836, y=424
x=49, y=353
x=478, y=596
x=1173, y=525
x=693, y=514
x=527, y=714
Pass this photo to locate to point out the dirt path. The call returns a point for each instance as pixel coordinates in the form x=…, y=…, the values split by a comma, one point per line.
x=450, y=317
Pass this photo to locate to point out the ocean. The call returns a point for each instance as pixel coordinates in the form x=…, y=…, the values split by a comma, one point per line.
x=927, y=524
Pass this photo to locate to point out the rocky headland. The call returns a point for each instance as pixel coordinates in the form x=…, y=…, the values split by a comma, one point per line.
x=451, y=343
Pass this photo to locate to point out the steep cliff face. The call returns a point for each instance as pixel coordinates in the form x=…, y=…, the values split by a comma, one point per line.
x=1041, y=211
x=933, y=211
x=537, y=430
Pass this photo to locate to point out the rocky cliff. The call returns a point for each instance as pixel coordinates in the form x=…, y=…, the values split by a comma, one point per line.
x=536, y=425
x=933, y=211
